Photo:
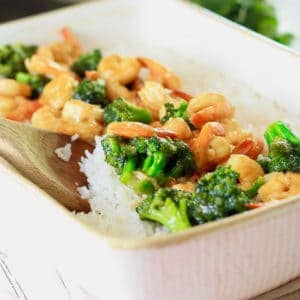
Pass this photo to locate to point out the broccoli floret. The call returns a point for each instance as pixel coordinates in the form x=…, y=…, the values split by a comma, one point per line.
x=91, y=91
x=257, y=15
x=12, y=58
x=168, y=207
x=159, y=151
x=217, y=195
x=120, y=110
x=87, y=62
x=283, y=149
x=37, y=82
x=172, y=112
x=153, y=160
x=184, y=163
x=165, y=158
x=122, y=155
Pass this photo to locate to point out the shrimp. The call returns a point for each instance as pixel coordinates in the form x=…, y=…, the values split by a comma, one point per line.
x=200, y=144
x=76, y=117
x=219, y=150
x=7, y=105
x=209, y=107
x=23, y=110
x=123, y=70
x=181, y=95
x=67, y=51
x=234, y=133
x=58, y=91
x=248, y=169
x=12, y=88
x=43, y=62
x=153, y=96
x=250, y=147
x=136, y=129
x=187, y=186
x=92, y=75
x=79, y=111
x=160, y=74
x=280, y=186
x=115, y=89
x=179, y=126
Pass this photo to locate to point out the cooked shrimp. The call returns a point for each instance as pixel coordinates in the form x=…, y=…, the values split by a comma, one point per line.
x=153, y=96
x=234, y=133
x=160, y=74
x=136, y=129
x=209, y=107
x=200, y=144
x=249, y=147
x=74, y=119
x=248, y=169
x=7, y=105
x=10, y=87
x=47, y=118
x=121, y=69
x=219, y=150
x=280, y=186
x=187, y=186
x=92, y=75
x=115, y=89
x=24, y=109
x=79, y=111
x=179, y=126
x=43, y=62
x=67, y=51
x=58, y=91
x=181, y=95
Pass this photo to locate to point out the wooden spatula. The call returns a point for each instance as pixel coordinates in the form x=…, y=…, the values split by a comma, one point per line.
x=31, y=152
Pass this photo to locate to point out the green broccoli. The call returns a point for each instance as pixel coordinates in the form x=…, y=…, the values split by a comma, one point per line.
x=172, y=112
x=284, y=149
x=168, y=207
x=37, y=82
x=257, y=15
x=87, y=62
x=91, y=91
x=120, y=110
x=164, y=158
x=12, y=58
x=122, y=155
x=252, y=191
x=217, y=195
x=153, y=160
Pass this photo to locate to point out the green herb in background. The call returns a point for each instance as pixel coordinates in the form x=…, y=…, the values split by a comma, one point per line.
x=257, y=15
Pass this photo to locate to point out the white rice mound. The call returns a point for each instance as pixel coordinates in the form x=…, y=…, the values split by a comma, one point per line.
x=112, y=203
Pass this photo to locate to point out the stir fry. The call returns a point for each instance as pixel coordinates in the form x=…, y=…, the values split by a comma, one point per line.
x=186, y=156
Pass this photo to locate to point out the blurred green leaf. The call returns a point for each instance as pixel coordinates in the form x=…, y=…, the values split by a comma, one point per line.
x=257, y=15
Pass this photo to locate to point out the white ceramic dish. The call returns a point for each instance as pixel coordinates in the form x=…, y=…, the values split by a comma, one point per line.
x=236, y=258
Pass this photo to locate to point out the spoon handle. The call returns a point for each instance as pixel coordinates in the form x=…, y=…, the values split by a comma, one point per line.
x=31, y=152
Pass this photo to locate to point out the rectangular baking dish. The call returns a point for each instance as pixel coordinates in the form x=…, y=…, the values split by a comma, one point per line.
x=235, y=258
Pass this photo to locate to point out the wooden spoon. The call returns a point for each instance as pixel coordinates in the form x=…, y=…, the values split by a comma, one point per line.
x=31, y=152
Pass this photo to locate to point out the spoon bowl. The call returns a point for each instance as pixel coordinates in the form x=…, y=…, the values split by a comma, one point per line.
x=31, y=152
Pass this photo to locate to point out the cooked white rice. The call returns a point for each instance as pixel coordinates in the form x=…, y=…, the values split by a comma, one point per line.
x=64, y=152
x=112, y=203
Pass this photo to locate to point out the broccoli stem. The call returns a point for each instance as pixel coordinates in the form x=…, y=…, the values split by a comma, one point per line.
x=252, y=191
x=128, y=169
x=154, y=164
x=279, y=130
